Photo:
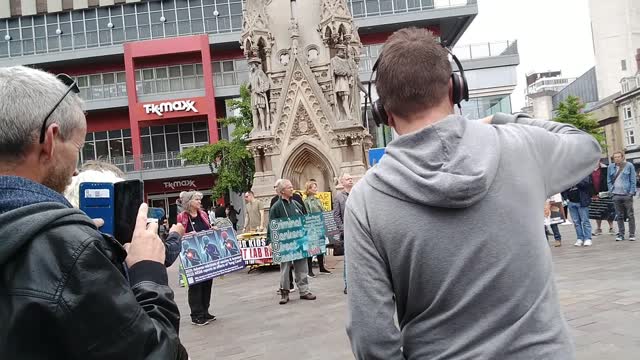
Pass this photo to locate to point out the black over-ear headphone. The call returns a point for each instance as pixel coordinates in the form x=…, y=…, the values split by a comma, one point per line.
x=460, y=92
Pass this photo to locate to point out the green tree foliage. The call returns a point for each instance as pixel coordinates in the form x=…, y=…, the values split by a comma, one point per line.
x=571, y=112
x=229, y=159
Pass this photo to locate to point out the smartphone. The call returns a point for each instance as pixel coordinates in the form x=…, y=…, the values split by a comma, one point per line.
x=129, y=195
x=97, y=201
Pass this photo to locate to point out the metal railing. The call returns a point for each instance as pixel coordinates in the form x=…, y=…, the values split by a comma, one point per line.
x=367, y=8
x=485, y=50
x=155, y=161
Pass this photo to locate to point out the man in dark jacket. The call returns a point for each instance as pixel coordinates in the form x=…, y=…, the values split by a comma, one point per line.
x=64, y=290
x=339, y=205
x=579, y=197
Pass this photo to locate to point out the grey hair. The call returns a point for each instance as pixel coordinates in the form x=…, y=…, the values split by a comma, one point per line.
x=72, y=192
x=280, y=185
x=344, y=175
x=27, y=96
x=186, y=197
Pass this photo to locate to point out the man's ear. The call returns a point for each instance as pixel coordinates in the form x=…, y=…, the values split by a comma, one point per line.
x=49, y=145
x=391, y=121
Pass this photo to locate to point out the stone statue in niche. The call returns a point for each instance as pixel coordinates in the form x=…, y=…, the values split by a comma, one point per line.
x=259, y=85
x=284, y=59
x=343, y=81
x=312, y=54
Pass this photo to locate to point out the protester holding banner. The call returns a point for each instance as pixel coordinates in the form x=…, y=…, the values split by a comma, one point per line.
x=286, y=207
x=313, y=205
x=194, y=219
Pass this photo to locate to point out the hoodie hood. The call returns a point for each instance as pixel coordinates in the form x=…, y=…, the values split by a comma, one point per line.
x=27, y=209
x=450, y=164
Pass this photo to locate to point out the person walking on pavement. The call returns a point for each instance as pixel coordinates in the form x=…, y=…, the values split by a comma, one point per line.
x=434, y=277
x=601, y=207
x=339, y=204
x=313, y=205
x=621, y=180
x=283, y=208
x=232, y=214
x=579, y=197
x=554, y=217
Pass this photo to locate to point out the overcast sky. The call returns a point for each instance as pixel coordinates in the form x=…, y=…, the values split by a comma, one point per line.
x=551, y=34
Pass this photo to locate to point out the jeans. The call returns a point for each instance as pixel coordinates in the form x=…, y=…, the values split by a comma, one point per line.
x=200, y=299
x=301, y=270
x=556, y=232
x=580, y=217
x=624, y=205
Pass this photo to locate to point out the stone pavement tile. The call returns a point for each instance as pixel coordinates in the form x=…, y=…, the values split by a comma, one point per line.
x=627, y=301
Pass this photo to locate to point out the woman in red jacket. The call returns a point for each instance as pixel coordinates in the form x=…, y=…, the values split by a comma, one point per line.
x=194, y=219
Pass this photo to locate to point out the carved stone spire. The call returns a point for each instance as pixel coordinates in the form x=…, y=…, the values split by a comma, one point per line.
x=336, y=24
x=256, y=31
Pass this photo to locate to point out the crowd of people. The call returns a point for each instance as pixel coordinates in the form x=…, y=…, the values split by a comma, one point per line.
x=604, y=195
x=433, y=278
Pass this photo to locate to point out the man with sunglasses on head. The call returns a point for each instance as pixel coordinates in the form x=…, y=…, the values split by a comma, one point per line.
x=65, y=292
x=461, y=287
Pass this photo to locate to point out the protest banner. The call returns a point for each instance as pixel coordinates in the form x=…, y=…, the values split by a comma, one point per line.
x=325, y=199
x=297, y=237
x=209, y=254
x=254, y=248
x=332, y=230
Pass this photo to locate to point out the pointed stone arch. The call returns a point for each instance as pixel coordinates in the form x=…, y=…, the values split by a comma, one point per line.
x=306, y=162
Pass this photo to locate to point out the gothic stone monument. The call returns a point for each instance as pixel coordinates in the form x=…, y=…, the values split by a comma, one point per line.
x=305, y=93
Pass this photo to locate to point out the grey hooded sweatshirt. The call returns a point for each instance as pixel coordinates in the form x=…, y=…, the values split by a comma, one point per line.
x=447, y=231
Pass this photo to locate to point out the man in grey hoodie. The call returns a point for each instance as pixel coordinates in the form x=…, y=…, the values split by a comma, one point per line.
x=462, y=287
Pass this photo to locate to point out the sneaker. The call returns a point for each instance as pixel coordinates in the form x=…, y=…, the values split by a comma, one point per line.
x=579, y=243
x=598, y=232
x=588, y=243
x=619, y=238
x=632, y=238
x=210, y=317
x=325, y=271
x=199, y=322
x=611, y=231
x=558, y=243
x=312, y=275
x=345, y=290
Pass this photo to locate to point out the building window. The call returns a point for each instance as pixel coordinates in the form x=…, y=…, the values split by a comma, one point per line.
x=623, y=65
x=627, y=112
x=162, y=144
x=169, y=79
x=104, y=26
x=102, y=86
x=113, y=146
x=629, y=137
x=230, y=72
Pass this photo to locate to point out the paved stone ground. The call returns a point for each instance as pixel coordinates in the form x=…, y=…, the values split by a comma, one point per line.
x=599, y=290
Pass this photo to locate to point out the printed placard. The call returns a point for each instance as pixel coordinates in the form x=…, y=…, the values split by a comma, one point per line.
x=297, y=237
x=209, y=254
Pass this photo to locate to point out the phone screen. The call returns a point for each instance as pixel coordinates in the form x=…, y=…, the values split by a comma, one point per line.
x=129, y=195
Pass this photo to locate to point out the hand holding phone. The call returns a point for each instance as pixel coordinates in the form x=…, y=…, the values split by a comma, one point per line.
x=145, y=244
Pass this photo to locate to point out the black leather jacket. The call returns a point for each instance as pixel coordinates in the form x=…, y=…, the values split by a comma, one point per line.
x=64, y=295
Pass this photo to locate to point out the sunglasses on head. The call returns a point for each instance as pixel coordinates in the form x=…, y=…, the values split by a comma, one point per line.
x=72, y=86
